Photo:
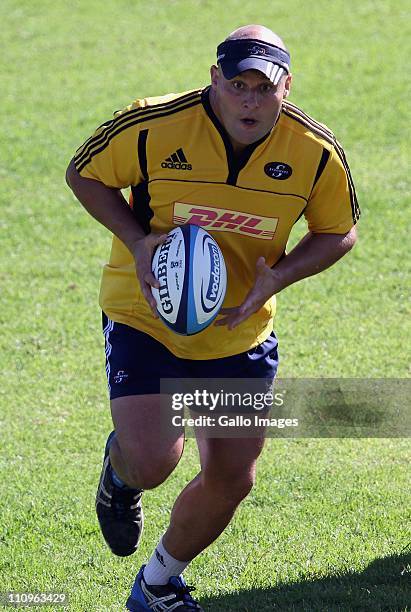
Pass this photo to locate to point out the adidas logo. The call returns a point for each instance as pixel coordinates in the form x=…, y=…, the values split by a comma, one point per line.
x=177, y=161
x=160, y=558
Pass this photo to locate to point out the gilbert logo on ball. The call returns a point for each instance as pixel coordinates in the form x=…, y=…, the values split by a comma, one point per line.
x=191, y=271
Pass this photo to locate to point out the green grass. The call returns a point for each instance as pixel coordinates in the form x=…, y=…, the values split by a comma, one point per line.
x=326, y=526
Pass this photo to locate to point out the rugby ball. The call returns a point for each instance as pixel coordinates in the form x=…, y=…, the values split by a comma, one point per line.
x=191, y=271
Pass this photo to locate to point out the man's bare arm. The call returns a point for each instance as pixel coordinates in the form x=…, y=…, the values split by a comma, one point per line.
x=313, y=254
x=109, y=207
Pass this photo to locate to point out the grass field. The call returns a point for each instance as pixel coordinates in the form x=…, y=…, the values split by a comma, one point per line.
x=327, y=525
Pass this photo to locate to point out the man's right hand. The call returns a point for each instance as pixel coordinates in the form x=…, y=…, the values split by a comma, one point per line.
x=143, y=251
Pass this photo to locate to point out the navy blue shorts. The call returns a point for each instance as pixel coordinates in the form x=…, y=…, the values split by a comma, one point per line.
x=135, y=362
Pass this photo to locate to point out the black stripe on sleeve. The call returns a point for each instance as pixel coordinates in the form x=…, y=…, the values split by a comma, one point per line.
x=141, y=206
x=355, y=208
x=323, y=162
x=142, y=153
x=141, y=195
x=296, y=109
x=119, y=128
x=86, y=150
x=295, y=113
x=313, y=127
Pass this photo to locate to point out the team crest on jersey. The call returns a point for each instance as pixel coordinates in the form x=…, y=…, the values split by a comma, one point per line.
x=278, y=170
x=222, y=220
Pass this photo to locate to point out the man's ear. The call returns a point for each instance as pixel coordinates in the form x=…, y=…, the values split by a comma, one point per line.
x=214, y=75
x=287, y=86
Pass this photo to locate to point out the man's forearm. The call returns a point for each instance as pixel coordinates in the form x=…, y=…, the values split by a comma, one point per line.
x=313, y=254
x=106, y=205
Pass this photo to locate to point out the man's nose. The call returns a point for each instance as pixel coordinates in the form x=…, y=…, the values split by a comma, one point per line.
x=252, y=99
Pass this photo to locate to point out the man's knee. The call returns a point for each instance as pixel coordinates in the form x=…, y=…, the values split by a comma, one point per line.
x=144, y=475
x=145, y=470
x=229, y=468
x=227, y=487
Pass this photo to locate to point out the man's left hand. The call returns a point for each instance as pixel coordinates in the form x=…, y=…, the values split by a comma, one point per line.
x=265, y=286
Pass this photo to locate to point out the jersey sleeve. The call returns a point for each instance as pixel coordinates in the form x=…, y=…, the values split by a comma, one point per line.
x=110, y=155
x=332, y=207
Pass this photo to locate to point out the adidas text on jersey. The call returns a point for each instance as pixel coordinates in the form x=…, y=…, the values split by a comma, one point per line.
x=177, y=161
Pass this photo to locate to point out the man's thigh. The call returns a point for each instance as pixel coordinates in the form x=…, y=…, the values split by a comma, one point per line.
x=248, y=373
x=135, y=364
x=142, y=432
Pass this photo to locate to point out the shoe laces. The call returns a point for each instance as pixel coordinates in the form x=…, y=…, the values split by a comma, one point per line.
x=183, y=592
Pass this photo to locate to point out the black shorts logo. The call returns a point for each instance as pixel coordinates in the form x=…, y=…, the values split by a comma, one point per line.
x=278, y=170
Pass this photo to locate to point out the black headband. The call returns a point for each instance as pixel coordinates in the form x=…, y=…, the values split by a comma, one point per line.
x=240, y=54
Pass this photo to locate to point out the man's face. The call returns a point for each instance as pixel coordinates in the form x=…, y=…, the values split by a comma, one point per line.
x=247, y=105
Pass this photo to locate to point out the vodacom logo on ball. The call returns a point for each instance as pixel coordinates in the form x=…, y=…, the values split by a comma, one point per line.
x=218, y=219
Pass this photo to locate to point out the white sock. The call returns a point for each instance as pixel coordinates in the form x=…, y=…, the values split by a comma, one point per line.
x=162, y=566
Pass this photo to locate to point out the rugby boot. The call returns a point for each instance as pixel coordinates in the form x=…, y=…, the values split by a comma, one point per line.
x=175, y=595
x=119, y=511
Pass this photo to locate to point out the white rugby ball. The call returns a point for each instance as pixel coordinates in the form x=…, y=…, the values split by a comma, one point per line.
x=191, y=271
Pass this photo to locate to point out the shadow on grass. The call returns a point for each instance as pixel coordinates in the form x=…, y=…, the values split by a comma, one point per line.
x=385, y=585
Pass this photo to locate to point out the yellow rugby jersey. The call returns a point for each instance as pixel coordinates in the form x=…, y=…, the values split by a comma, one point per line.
x=180, y=164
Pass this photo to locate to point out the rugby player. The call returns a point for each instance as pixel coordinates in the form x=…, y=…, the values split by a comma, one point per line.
x=244, y=163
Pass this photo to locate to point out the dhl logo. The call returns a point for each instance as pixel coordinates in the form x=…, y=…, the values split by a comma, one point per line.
x=218, y=219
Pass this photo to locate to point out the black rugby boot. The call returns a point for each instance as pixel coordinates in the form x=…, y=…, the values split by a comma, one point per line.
x=119, y=511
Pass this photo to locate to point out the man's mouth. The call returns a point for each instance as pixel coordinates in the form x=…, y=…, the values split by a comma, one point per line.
x=249, y=121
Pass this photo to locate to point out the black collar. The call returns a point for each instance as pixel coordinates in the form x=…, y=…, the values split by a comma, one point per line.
x=236, y=162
